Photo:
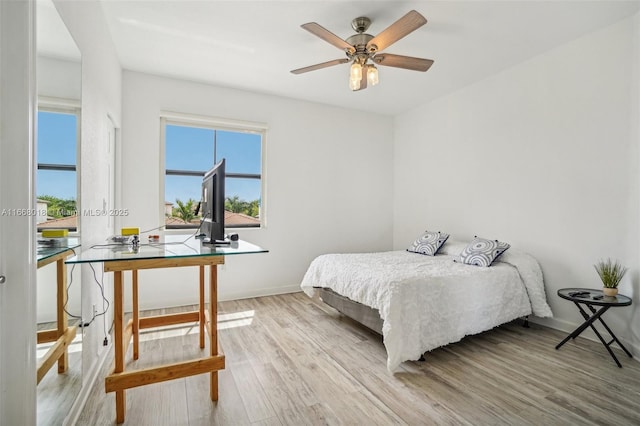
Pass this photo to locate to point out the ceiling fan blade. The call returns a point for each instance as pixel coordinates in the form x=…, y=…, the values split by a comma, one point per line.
x=403, y=26
x=400, y=61
x=328, y=36
x=320, y=66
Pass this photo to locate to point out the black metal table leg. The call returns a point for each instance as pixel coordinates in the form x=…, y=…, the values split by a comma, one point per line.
x=584, y=325
x=613, y=336
x=606, y=345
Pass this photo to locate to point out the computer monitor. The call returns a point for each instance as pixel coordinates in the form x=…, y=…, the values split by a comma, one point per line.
x=213, y=205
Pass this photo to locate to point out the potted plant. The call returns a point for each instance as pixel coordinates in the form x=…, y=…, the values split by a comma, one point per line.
x=611, y=274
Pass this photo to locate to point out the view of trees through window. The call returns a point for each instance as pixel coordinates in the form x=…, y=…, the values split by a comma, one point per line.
x=190, y=151
x=58, y=208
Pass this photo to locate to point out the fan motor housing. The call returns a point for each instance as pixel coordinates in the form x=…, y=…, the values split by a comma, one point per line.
x=359, y=41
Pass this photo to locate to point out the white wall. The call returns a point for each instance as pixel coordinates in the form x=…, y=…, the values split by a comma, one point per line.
x=328, y=186
x=101, y=99
x=59, y=78
x=542, y=155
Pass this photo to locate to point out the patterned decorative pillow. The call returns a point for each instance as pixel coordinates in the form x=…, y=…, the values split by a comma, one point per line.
x=428, y=243
x=482, y=252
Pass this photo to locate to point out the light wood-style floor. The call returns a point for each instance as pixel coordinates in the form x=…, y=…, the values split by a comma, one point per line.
x=291, y=361
x=56, y=392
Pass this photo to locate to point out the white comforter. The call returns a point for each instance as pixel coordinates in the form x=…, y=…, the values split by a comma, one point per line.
x=426, y=302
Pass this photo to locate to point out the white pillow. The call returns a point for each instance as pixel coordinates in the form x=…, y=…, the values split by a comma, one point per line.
x=428, y=243
x=482, y=252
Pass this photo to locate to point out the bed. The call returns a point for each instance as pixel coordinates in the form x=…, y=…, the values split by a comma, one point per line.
x=424, y=302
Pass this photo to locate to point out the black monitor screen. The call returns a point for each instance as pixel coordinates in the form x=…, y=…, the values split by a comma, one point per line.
x=213, y=204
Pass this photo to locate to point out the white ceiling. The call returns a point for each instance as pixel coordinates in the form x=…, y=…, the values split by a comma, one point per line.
x=253, y=45
x=53, y=39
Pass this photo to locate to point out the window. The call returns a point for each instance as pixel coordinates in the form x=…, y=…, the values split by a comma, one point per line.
x=56, y=176
x=191, y=148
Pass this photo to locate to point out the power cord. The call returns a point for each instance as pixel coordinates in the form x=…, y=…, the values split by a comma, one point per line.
x=64, y=307
x=105, y=305
x=152, y=229
x=104, y=301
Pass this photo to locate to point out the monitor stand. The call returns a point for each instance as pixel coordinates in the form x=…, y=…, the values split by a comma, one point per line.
x=216, y=242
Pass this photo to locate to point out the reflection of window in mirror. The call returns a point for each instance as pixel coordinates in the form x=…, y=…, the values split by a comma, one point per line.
x=57, y=294
x=56, y=179
x=57, y=203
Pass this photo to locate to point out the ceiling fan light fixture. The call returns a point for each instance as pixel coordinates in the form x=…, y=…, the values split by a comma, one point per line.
x=356, y=71
x=372, y=75
x=355, y=75
x=354, y=84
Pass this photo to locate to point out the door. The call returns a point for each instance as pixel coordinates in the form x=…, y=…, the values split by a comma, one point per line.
x=111, y=156
x=115, y=220
x=17, y=206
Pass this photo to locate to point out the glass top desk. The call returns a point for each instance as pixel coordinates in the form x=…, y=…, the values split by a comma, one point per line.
x=46, y=254
x=171, y=252
x=62, y=335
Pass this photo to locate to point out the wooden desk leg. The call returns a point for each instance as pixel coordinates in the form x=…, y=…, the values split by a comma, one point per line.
x=63, y=361
x=118, y=311
x=213, y=318
x=201, y=310
x=136, y=314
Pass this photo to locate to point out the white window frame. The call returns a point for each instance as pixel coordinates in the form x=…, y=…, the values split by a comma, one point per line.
x=214, y=123
x=65, y=106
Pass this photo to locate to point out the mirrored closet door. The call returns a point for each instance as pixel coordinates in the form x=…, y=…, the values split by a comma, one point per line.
x=59, y=348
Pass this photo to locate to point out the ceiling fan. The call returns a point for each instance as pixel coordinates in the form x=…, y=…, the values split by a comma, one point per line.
x=363, y=50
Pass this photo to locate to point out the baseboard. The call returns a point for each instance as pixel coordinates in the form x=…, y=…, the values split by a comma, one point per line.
x=87, y=385
x=222, y=297
x=273, y=291
x=568, y=327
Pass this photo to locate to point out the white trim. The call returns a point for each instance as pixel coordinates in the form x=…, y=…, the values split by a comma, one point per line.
x=116, y=171
x=217, y=122
x=78, y=169
x=272, y=291
x=59, y=104
x=263, y=182
x=163, y=167
x=111, y=167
